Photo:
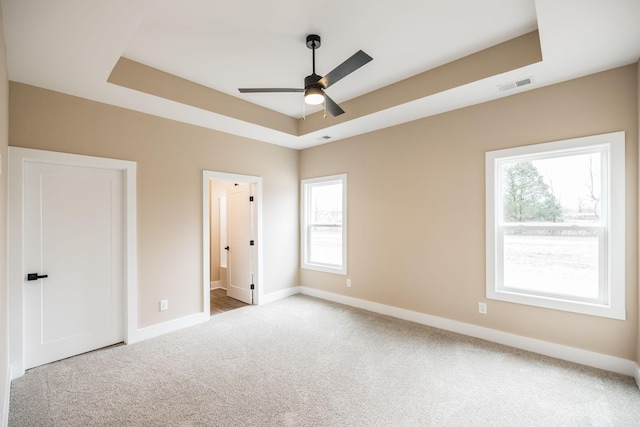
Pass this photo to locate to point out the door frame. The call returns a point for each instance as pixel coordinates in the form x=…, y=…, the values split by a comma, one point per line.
x=18, y=157
x=207, y=177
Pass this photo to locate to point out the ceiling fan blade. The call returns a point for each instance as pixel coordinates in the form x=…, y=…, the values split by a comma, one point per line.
x=269, y=90
x=356, y=61
x=332, y=107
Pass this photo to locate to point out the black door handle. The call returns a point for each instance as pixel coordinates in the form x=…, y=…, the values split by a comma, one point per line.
x=226, y=248
x=36, y=276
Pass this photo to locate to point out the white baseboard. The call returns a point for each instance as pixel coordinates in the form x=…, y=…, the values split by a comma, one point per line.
x=4, y=414
x=215, y=285
x=166, y=327
x=558, y=351
x=275, y=296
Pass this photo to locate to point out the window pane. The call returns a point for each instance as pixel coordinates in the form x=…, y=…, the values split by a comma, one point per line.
x=326, y=204
x=323, y=228
x=558, y=262
x=325, y=245
x=557, y=189
x=555, y=218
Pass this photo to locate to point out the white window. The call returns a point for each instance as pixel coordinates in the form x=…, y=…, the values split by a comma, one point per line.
x=555, y=225
x=324, y=230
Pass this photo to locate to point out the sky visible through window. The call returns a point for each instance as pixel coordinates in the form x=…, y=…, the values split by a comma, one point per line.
x=575, y=181
x=326, y=204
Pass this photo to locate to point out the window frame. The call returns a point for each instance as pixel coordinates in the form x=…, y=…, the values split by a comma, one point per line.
x=611, y=231
x=305, y=186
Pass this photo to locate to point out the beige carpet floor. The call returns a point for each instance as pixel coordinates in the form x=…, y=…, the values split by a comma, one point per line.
x=307, y=362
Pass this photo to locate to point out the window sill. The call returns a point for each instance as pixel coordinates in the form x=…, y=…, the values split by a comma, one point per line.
x=325, y=269
x=592, y=309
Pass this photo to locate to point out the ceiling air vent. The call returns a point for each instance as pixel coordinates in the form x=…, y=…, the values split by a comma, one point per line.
x=515, y=84
x=326, y=137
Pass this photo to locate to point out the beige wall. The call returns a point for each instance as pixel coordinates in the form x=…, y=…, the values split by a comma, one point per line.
x=4, y=138
x=171, y=157
x=417, y=207
x=638, y=109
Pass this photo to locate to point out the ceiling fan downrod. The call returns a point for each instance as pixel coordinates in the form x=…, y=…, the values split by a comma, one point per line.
x=313, y=43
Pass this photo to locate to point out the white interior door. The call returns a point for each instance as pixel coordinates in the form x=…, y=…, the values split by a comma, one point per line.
x=73, y=233
x=223, y=234
x=239, y=236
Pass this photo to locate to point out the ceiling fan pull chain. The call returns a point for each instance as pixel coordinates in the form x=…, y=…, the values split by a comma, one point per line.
x=325, y=107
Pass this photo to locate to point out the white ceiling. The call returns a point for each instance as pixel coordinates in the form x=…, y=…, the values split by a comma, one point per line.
x=71, y=46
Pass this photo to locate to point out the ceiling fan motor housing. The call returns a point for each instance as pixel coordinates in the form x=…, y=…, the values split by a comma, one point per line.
x=312, y=81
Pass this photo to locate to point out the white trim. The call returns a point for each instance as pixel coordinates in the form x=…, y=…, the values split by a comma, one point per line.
x=208, y=176
x=4, y=415
x=215, y=285
x=278, y=295
x=171, y=326
x=558, y=351
x=17, y=158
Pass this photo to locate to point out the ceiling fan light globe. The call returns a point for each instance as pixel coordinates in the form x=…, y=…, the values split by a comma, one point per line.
x=314, y=99
x=313, y=96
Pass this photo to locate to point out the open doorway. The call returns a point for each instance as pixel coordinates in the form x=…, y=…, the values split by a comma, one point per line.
x=232, y=241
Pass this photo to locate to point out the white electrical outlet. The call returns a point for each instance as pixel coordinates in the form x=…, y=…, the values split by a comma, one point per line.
x=164, y=305
x=482, y=308
x=348, y=283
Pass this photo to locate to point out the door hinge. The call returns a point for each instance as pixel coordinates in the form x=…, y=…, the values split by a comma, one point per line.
x=253, y=286
x=251, y=243
x=251, y=198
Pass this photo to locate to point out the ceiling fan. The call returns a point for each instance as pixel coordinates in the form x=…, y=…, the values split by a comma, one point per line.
x=314, y=85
